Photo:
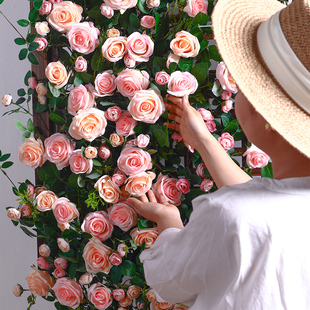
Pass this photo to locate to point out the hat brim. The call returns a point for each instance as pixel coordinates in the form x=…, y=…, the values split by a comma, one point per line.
x=235, y=25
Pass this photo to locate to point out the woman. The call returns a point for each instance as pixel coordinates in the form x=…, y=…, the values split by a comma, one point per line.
x=246, y=246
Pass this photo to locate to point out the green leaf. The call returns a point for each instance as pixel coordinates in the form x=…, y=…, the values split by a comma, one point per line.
x=128, y=268
x=134, y=21
x=23, y=188
x=23, y=22
x=56, y=119
x=30, y=37
x=22, y=54
x=200, y=19
x=33, y=58
x=266, y=171
x=27, y=76
x=30, y=126
x=116, y=274
x=96, y=61
x=217, y=89
x=4, y=157
x=142, y=6
x=1, y=1
x=20, y=41
x=55, y=92
x=137, y=280
x=225, y=119
x=105, y=104
x=77, y=81
x=232, y=127
x=33, y=46
x=86, y=77
x=200, y=71
x=20, y=100
x=161, y=137
x=97, y=163
x=21, y=92
x=214, y=54
x=72, y=270
x=33, y=15
x=185, y=64
x=26, y=134
x=50, y=232
x=37, y=4
x=73, y=181
x=39, y=108
x=27, y=231
x=19, y=125
x=95, y=13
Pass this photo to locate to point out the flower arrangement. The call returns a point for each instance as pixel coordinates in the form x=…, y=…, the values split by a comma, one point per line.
x=103, y=91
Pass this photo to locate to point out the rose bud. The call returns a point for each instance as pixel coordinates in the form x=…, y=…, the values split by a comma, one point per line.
x=17, y=290
x=44, y=250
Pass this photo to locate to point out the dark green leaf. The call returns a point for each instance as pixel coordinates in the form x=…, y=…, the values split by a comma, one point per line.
x=30, y=37
x=95, y=13
x=134, y=21
x=161, y=137
x=7, y=164
x=96, y=61
x=37, y=4
x=239, y=136
x=30, y=126
x=38, y=107
x=128, y=268
x=1, y=1
x=116, y=274
x=33, y=15
x=33, y=46
x=23, y=188
x=20, y=100
x=28, y=232
x=217, y=89
x=21, y=92
x=73, y=181
x=144, y=223
x=200, y=71
x=200, y=19
x=86, y=77
x=20, y=41
x=56, y=119
x=185, y=64
x=50, y=232
x=55, y=92
x=22, y=54
x=27, y=76
x=232, y=127
x=214, y=54
x=4, y=157
x=33, y=58
x=137, y=280
x=142, y=6
x=266, y=171
x=19, y=125
x=23, y=22
x=72, y=270
x=196, y=31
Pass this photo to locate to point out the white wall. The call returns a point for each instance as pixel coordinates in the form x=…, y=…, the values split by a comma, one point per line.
x=18, y=251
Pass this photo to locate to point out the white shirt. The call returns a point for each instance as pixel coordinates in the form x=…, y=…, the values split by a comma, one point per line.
x=246, y=247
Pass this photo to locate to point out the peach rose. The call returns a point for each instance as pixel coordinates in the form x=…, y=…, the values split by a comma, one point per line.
x=105, y=84
x=183, y=186
x=113, y=113
x=60, y=263
x=80, y=98
x=227, y=106
x=106, y=11
x=255, y=157
x=172, y=58
x=42, y=43
x=113, y=33
x=152, y=3
x=115, y=259
x=64, y=226
x=180, y=307
x=121, y=5
x=125, y=124
x=41, y=89
x=79, y=164
x=86, y=278
x=98, y=225
x=167, y=186
x=64, y=210
x=13, y=214
x=116, y=140
x=80, y=64
x=129, y=62
x=104, y=152
x=133, y=291
x=140, y=47
x=185, y=45
x=42, y=28
x=206, y=114
x=59, y=273
x=45, y=8
x=63, y=245
x=193, y=7
x=42, y=99
x=142, y=141
x=58, y=149
x=31, y=153
x=57, y=74
x=146, y=106
x=163, y=305
x=226, y=141
x=17, y=290
x=100, y=296
x=32, y=82
x=45, y=200
x=114, y=48
x=134, y=160
x=64, y=15
x=96, y=256
x=147, y=235
x=200, y=170
x=226, y=95
x=90, y=152
x=88, y=124
x=162, y=78
x=42, y=263
x=108, y=191
x=68, y=292
x=182, y=83
x=129, y=81
x=206, y=185
x=225, y=78
x=39, y=282
x=139, y=184
x=127, y=301
x=148, y=21
x=44, y=250
x=211, y=126
x=83, y=37
x=25, y=210
x=118, y=294
x=151, y=296
x=123, y=215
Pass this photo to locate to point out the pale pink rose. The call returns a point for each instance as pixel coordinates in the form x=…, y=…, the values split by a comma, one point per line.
x=255, y=157
x=193, y=7
x=140, y=305
x=80, y=64
x=151, y=296
x=83, y=37
x=64, y=15
x=172, y=58
x=114, y=48
x=140, y=47
x=113, y=113
x=225, y=78
x=118, y=294
x=147, y=235
x=58, y=149
x=180, y=307
x=108, y=191
x=60, y=263
x=31, y=153
x=25, y=210
x=182, y=83
x=79, y=164
x=185, y=45
x=148, y=21
x=228, y=104
x=64, y=210
x=63, y=245
x=176, y=137
x=206, y=114
x=200, y=170
x=123, y=215
x=116, y=140
x=100, y=296
x=139, y=184
x=42, y=43
x=42, y=263
x=41, y=89
x=115, y=259
x=98, y=225
x=104, y=152
x=119, y=178
x=44, y=250
x=142, y=141
x=64, y=226
x=121, y=249
x=206, y=185
x=121, y=5
x=105, y=84
x=42, y=99
x=90, y=152
x=57, y=74
x=162, y=78
x=131, y=143
x=68, y=292
x=80, y=98
x=6, y=100
x=226, y=95
x=152, y=3
x=125, y=124
x=129, y=81
x=86, y=278
x=125, y=302
x=134, y=160
x=183, y=186
x=45, y=200
x=39, y=282
x=167, y=187
x=42, y=28
x=13, y=214
x=129, y=62
x=32, y=82
x=88, y=124
x=17, y=290
x=96, y=256
x=133, y=291
x=59, y=273
x=211, y=126
x=226, y=141
x=163, y=305
x=45, y=8
x=106, y=11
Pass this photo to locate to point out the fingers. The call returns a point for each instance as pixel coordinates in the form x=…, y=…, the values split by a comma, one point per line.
x=144, y=198
x=137, y=204
x=174, y=117
x=162, y=199
x=151, y=196
x=173, y=108
x=173, y=126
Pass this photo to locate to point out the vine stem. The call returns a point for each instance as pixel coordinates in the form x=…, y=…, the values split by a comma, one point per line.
x=8, y=177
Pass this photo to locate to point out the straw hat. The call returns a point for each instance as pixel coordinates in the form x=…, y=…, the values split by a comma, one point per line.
x=283, y=96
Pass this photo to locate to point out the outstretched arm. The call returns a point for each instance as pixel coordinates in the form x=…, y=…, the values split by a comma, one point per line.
x=189, y=123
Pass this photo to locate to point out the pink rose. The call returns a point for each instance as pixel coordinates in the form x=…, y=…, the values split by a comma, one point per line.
x=86, y=278
x=129, y=81
x=42, y=263
x=41, y=89
x=172, y=58
x=185, y=45
x=206, y=114
x=80, y=64
x=104, y=152
x=58, y=149
x=25, y=210
x=80, y=98
x=116, y=140
x=114, y=48
x=64, y=15
x=182, y=83
x=105, y=84
x=45, y=200
x=123, y=215
x=125, y=124
x=193, y=7
x=115, y=259
x=45, y=8
x=176, y=137
x=228, y=104
x=98, y=225
x=42, y=28
x=108, y=191
x=30, y=190
x=68, y=292
x=134, y=160
x=63, y=245
x=167, y=187
x=133, y=291
x=100, y=296
x=225, y=78
x=211, y=126
x=118, y=294
x=88, y=124
x=140, y=47
x=162, y=78
x=139, y=184
x=60, y=263
x=148, y=21
x=121, y=5
x=44, y=250
x=142, y=141
x=57, y=74
x=96, y=256
x=39, y=282
x=79, y=164
x=113, y=113
x=32, y=82
x=64, y=210
x=13, y=214
x=183, y=186
x=90, y=152
x=42, y=43
x=226, y=141
x=200, y=170
x=59, y=273
x=147, y=235
x=226, y=95
x=106, y=11
x=55, y=1
x=31, y=153
x=119, y=178
x=129, y=62
x=121, y=249
x=255, y=157
x=206, y=185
